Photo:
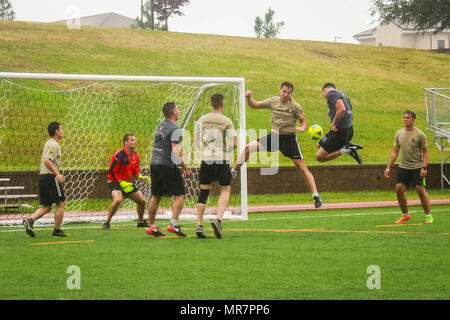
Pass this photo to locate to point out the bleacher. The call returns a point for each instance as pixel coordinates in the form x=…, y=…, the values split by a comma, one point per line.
x=12, y=198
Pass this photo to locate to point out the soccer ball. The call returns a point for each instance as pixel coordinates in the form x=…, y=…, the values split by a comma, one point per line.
x=315, y=132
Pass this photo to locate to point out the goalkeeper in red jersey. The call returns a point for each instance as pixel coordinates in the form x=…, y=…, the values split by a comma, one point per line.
x=123, y=168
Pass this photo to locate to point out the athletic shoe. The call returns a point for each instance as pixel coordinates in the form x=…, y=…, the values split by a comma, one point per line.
x=155, y=231
x=355, y=155
x=403, y=219
x=28, y=224
x=354, y=146
x=175, y=229
x=200, y=232
x=60, y=233
x=233, y=173
x=217, y=227
x=106, y=226
x=317, y=202
x=142, y=224
x=429, y=219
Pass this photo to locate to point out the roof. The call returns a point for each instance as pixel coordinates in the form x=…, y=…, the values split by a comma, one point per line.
x=109, y=19
x=366, y=33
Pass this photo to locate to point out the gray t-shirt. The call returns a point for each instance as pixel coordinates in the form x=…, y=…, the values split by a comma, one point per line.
x=166, y=133
x=332, y=98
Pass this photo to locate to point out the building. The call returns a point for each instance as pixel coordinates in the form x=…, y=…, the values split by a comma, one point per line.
x=394, y=35
x=110, y=19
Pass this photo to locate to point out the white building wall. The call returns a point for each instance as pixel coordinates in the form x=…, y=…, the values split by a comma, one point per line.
x=388, y=35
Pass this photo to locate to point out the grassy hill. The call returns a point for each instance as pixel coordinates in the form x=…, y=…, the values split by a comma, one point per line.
x=381, y=82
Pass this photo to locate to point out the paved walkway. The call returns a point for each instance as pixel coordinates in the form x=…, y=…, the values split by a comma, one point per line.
x=343, y=205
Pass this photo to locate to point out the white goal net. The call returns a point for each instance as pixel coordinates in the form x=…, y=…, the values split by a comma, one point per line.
x=96, y=111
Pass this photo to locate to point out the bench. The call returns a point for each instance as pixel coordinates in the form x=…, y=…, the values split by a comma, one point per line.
x=16, y=197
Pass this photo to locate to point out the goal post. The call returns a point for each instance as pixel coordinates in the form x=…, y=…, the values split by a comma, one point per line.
x=96, y=111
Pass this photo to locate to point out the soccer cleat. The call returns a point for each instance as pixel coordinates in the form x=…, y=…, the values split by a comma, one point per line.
x=355, y=155
x=28, y=224
x=154, y=231
x=217, y=227
x=233, y=173
x=60, y=233
x=317, y=202
x=429, y=219
x=106, y=226
x=403, y=219
x=142, y=224
x=200, y=232
x=175, y=229
x=353, y=146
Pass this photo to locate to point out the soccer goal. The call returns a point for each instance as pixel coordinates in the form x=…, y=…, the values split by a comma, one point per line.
x=96, y=111
x=438, y=121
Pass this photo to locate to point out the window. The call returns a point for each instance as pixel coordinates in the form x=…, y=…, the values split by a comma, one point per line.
x=441, y=44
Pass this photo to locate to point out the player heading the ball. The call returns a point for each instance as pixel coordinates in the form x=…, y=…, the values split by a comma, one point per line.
x=337, y=141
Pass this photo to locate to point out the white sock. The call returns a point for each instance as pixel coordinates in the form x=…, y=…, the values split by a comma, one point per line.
x=345, y=150
x=174, y=222
x=315, y=194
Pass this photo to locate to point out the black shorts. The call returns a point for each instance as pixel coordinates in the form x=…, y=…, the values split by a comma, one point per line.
x=114, y=186
x=166, y=181
x=286, y=143
x=50, y=190
x=335, y=140
x=409, y=177
x=220, y=172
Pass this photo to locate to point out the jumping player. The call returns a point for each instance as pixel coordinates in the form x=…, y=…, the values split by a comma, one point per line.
x=337, y=141
x=285, y=113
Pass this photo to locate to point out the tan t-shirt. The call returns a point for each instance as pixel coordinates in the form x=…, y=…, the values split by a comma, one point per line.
x=214, y=131
x=411, y=146
x=284, y=114
x=52, y=151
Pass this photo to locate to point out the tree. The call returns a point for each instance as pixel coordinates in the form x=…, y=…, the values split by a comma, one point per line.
x=422, y=14
x=6, y=11
x=166, y=8
x=267, y=28
x=147, y=18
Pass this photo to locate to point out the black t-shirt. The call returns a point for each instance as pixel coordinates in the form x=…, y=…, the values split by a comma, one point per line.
x=332, y=97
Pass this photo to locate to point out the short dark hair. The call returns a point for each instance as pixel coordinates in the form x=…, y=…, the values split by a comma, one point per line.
x=168, y=109
x=125, y=137
x=217, y=100
x=328, y=85
x=411, y=113
x=52, y=127
x=287, y=85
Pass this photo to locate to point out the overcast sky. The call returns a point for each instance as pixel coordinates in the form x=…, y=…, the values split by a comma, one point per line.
x=321, y=20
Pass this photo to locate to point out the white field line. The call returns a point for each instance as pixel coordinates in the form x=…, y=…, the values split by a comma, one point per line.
x=20, y=229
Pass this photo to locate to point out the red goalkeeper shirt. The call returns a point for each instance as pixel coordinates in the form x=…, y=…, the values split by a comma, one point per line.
x=123, y=169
